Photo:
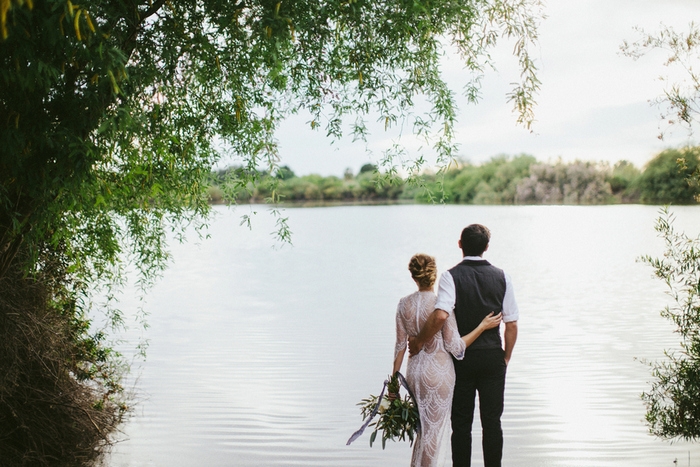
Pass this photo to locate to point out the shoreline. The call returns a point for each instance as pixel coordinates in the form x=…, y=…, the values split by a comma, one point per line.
x=339, y=203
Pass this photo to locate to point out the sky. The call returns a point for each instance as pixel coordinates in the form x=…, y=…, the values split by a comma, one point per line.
x=593, y=104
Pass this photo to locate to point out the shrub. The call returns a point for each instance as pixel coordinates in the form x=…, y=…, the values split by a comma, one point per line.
x=665, y=177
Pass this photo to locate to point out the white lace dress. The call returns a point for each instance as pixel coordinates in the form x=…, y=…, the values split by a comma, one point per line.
x=430, y=375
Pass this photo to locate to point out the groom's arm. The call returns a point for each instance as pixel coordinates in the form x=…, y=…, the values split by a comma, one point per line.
x=510, y=336
x=431, y=327
x=445, y=301
x=510, y=318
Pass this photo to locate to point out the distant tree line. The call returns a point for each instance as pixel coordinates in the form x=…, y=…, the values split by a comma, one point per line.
x=501, y=180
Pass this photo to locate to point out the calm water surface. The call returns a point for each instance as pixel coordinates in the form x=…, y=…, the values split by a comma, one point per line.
x=258, y=355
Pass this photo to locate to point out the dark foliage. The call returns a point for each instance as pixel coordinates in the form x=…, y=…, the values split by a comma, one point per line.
x=59, y=394
x=666, y=177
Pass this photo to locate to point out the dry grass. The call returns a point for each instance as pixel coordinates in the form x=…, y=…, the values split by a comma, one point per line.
x=58, y=394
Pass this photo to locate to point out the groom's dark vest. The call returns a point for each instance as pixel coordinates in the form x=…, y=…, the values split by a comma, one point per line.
x=479, y=290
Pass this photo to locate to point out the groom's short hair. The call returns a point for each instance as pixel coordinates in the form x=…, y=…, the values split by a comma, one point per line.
x=475, y=238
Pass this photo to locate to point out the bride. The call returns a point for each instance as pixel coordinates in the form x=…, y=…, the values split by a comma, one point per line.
x=430, y=373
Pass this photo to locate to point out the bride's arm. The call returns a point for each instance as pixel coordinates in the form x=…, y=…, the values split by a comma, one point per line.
x=491, y=321
x=401, y=339
x=398, y=360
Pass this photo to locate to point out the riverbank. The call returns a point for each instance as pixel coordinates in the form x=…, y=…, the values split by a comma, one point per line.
x=671, y=177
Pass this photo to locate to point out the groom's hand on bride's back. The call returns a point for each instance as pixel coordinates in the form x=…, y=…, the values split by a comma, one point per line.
x=414, y=346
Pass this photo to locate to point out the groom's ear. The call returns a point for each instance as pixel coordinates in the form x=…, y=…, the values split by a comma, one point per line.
x=459, y=243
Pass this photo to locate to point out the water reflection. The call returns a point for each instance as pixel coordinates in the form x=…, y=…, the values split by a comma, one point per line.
x=259, y=355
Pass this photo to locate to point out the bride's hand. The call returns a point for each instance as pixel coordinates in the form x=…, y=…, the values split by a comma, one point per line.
x=491, y=321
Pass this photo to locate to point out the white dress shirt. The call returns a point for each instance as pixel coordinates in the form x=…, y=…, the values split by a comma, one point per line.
x=446, y=295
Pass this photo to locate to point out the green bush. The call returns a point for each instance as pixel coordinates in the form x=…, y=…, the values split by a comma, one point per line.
x=665, y=177
x=623, y=178
x=493, y=182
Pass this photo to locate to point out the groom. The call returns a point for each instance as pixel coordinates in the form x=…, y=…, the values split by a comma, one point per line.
x=472, y=289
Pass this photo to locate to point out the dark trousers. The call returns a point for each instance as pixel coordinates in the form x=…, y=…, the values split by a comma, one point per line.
x=482, y=371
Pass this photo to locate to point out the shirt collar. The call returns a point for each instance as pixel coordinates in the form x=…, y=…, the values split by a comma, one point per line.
x=473, y=258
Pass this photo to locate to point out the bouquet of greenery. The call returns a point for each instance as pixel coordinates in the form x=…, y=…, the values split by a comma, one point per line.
x=398, y=417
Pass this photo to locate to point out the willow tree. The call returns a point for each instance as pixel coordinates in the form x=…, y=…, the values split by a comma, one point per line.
x=673, y=400
x=111, y=113
x=679, y=103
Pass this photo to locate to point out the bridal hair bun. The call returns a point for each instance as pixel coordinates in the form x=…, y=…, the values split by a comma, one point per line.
x=423, y=269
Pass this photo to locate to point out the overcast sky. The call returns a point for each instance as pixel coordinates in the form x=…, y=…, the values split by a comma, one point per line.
x=593, y=104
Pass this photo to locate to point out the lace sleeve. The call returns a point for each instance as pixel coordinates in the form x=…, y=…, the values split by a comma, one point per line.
x=450, y=336
x=401, y=334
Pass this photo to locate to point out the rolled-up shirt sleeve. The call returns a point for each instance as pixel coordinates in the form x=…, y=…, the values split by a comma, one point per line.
x=510, y=307
x=446, y=293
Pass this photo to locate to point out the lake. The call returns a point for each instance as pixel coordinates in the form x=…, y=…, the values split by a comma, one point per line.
x=259, y=352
